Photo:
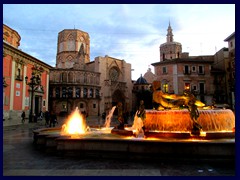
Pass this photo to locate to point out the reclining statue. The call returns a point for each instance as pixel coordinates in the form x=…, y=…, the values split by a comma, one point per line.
x=169, y=101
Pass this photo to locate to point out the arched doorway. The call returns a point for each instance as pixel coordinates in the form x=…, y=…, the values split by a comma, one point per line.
x=118, y=96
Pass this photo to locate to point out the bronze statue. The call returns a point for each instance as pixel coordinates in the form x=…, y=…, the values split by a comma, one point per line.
x=120, y=116
x=194, y=114
x=166, y=101
x=141, y=111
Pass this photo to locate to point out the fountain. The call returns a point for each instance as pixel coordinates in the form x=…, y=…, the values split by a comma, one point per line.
x=193, y=132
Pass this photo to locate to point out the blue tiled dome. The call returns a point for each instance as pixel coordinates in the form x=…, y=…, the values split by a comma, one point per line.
x=141, y=80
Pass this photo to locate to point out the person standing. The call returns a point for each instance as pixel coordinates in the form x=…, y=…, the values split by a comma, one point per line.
x=47, y=117
x=23, y=116
x=53, y=120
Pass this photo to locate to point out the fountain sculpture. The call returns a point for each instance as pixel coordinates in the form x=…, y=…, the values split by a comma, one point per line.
x=170, y=129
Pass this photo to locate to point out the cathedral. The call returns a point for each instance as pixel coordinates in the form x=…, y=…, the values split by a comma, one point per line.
x=93, y=87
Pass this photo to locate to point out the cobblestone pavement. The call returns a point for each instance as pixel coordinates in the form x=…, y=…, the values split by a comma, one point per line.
x=20, y=158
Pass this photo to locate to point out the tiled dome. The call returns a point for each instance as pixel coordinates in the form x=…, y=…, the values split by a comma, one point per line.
x=141, y=80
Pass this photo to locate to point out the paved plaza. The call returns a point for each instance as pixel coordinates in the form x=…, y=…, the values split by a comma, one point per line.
x=20, y=158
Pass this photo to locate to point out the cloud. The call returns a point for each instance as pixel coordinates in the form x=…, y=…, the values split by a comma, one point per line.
x=132, y=32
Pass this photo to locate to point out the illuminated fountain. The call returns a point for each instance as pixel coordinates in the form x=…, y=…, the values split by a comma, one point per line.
x=167, y=133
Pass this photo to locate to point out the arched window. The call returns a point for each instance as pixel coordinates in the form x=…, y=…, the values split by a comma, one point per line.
x=91, y=93
x=64, y=77
x=97, y=93
x=70, y=43
x=64, y=93
x=78, y=92
x=85, y=92
x=70, y=77
x=70, y=92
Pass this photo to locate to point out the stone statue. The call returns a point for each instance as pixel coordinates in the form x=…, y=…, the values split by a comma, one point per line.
x=141, y=111
x=194, y=114
x=120, y=116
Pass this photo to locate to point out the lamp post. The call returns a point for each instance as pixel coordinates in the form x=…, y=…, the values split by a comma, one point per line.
x=34, y=81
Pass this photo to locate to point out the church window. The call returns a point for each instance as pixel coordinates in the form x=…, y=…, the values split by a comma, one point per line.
x=85, y=92
x=70, y=43
x=70, y=77
x=78, y=91
x=91, y=93
x=64, y=77
x=64, y=92
x=70, y=92
x=97, y=93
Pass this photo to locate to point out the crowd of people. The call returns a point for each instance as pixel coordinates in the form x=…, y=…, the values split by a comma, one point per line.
x=50, y=118
x=122, y=117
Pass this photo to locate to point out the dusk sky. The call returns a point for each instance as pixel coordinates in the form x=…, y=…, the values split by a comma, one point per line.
x=132, y=32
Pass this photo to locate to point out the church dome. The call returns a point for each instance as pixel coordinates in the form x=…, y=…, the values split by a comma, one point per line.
x=141, y=80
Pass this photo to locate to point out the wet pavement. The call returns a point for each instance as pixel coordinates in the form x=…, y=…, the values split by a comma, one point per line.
x=20, y=158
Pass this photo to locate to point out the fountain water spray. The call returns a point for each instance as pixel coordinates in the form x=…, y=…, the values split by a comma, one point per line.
x=137, y=126
x=76, y=124
x=109, y=117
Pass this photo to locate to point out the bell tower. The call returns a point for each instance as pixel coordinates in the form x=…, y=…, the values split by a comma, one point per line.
x=170, y=49
x=73, y=49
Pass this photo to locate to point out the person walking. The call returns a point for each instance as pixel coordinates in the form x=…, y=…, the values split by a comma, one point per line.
x=53, y=119
x=47, y=117
x=23, y=116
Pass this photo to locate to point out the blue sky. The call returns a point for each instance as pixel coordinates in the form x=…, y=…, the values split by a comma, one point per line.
x=132, y=32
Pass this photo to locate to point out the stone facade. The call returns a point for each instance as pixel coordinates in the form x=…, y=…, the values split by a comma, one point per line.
x=93, y=87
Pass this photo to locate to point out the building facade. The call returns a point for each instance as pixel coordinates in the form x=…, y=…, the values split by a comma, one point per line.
x=91, y=86
x=230, y=71
x=219, y=69
x=178, y=71
x=17, y=94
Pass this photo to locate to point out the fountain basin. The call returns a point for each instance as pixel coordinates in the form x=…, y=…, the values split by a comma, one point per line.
x=179, y=120
x=165, y=145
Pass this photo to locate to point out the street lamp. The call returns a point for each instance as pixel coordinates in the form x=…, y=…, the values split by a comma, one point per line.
x=34, y=81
